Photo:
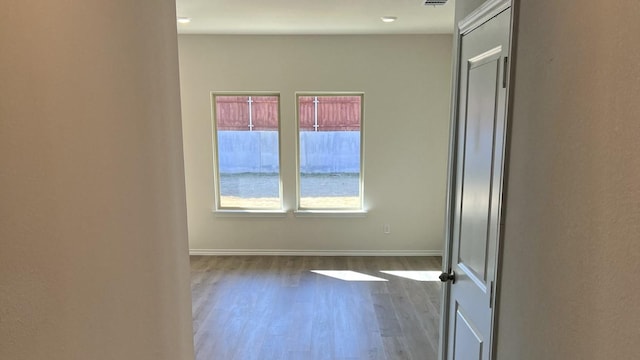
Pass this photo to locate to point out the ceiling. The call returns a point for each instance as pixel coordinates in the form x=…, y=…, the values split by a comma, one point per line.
x=314, y=17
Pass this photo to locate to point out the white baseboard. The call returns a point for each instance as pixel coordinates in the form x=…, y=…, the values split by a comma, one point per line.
x=280, y=252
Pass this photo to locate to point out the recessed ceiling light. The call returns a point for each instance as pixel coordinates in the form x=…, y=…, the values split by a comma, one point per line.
x=184, y=20
x=388, y=19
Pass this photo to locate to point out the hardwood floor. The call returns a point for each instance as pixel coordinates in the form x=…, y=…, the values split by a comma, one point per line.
x=274, y=307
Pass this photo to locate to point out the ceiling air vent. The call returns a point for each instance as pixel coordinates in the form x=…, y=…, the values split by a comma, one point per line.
x=434, y=2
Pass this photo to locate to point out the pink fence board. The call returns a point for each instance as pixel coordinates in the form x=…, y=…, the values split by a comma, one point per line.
x=335, y=113
x=232, y=112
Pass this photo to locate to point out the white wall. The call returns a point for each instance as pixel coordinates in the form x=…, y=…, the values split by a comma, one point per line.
x=406, y=81
x=466, y=7
x=571, y=281
x=93, y=237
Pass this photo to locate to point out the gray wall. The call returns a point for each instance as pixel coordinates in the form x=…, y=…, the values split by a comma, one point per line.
x=93, y=237
x=406, y=82
x=571, y=283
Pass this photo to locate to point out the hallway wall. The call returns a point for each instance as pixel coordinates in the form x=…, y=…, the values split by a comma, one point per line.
x=93, y=239
x=570, y=285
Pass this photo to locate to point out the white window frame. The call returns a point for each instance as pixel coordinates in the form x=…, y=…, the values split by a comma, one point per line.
x=216, y=170
x=330, y=212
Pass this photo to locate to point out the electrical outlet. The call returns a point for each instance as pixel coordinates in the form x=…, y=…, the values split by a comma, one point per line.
x=386, y=228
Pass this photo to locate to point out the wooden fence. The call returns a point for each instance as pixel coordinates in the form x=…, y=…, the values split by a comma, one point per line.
x=317, y=113
x=334, y=113
x=232, y=112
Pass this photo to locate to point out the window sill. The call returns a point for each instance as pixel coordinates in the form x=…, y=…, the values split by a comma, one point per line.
x=331, y=213
x=249, y=213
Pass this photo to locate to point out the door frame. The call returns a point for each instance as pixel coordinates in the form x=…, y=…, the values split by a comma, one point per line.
x=482, y=14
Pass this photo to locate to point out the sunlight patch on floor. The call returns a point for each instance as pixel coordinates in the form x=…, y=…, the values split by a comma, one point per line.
x=348, y=275
x=421, y=275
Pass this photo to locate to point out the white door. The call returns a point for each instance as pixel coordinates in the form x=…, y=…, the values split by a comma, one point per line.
x=477, y=185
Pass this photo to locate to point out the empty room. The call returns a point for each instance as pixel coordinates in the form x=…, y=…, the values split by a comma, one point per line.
x=315, y=145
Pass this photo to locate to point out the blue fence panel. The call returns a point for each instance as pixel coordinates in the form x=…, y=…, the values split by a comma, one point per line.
x=325, y=152
x=322, y=152
x=248, y=152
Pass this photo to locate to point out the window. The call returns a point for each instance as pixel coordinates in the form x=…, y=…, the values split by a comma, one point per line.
x=247, y=157
x=330, y=151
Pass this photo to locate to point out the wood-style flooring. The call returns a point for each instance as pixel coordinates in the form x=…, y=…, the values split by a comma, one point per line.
x=274, y=307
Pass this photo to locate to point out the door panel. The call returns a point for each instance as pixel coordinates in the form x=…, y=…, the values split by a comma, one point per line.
x=468, y=340
x=477, y=165
x=479, y=154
